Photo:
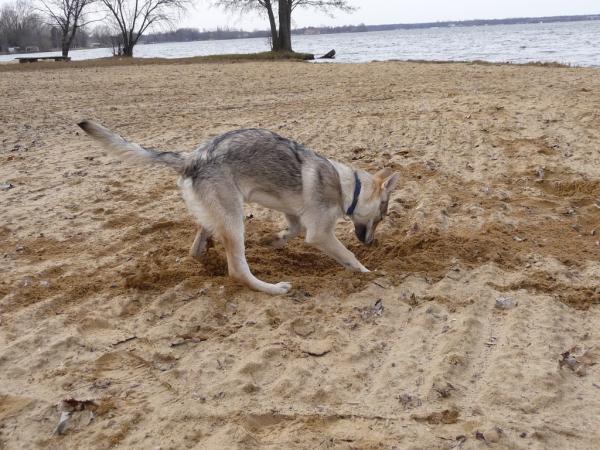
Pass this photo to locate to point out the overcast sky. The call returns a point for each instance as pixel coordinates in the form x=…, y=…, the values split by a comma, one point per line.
x=373, y=12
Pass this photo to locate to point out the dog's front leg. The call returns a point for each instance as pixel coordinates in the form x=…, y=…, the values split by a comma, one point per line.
x=328, y=243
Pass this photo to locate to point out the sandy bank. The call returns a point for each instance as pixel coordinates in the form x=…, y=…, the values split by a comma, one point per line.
x=499, y=198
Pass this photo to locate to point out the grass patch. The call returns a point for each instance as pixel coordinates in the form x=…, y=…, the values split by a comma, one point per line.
x=264, y=56
x=122, y=61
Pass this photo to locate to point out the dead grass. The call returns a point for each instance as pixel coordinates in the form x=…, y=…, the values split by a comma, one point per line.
x=122, y=61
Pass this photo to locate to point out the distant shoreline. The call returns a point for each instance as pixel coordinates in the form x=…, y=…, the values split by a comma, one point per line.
x=196, y=35
x=457, y=23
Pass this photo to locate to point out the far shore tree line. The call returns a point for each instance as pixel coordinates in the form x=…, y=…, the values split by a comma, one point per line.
x=41, y=25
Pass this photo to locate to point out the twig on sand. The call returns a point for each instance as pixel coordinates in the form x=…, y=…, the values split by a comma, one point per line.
x=123, y=341
x=193, y=340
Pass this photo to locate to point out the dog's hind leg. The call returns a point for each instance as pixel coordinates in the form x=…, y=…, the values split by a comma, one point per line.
x=221, y=212
x=232, y=235
x=293, y=230
x=202, y=242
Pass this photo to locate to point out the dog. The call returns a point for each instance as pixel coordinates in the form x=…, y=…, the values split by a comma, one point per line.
x=258, y=166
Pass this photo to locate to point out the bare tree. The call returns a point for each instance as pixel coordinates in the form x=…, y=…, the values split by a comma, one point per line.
x=20, y=26
x=105, y=36
x=132, y=18
x=262, y=6
x=281, y=38
x=68, y=17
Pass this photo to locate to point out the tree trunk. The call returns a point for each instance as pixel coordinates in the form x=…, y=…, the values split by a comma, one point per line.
x=65, y=46
x=67, y=40
x=285, y=25
x=128, y=44
x=128, y=49
x=273, y=24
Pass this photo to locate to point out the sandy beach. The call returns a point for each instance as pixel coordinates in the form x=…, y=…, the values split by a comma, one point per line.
x=104, y=316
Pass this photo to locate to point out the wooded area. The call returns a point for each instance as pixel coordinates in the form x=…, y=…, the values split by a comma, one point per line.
x=40, y=25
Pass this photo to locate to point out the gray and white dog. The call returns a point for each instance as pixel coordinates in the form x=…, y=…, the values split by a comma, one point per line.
x=258, y=166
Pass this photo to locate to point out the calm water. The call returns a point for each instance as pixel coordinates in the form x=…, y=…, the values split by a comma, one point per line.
x=575, y=43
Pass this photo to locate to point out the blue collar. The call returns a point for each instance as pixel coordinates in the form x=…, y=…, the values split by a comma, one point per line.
x=357, y=186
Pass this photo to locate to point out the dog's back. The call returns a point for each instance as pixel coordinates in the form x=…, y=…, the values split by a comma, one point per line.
x=260, y=160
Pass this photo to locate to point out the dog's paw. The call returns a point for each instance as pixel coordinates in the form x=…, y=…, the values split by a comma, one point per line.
x=355, y=266
x=282, y=288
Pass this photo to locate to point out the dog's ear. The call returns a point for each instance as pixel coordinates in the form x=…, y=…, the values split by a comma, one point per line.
x=389, y=184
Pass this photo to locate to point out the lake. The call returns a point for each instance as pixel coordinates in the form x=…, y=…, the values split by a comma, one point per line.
x=575, y=43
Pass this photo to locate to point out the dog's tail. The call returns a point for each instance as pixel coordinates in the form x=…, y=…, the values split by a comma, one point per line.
x=130, y=150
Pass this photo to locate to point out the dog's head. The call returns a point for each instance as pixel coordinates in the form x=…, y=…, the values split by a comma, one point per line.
x=373, y=203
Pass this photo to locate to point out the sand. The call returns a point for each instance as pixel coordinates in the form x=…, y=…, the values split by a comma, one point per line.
x=499, y=198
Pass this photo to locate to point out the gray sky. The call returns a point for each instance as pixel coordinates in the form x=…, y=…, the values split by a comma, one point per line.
x=372, y=12
x=397, y=11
